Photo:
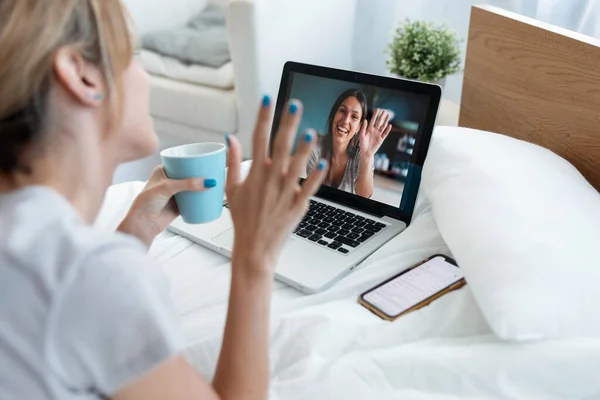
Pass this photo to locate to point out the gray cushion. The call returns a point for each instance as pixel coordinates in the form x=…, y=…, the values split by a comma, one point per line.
x=203, y=41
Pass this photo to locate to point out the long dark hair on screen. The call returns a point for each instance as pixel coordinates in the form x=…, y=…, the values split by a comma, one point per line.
x=327, y=140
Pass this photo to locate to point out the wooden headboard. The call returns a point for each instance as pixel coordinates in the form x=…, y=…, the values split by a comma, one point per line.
x=535, y=82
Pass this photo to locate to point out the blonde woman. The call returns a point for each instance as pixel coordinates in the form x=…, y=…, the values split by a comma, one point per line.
x=84, y=315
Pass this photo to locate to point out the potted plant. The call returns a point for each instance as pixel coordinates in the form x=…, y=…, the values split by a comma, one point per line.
x=424, y=52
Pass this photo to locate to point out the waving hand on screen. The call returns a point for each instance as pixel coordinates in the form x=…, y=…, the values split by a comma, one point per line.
x=373, y=133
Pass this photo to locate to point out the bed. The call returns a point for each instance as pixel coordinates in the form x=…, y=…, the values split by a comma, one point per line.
x=523, y=79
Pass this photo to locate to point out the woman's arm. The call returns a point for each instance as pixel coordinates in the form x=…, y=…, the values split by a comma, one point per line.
x=372, y=135
x=272, y=203
x=364, y=183
x=243, y=369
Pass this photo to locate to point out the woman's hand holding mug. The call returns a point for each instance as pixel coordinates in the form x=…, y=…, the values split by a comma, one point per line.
x=154, y=208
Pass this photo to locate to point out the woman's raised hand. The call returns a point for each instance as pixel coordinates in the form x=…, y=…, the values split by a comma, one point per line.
x=372, y=134
x=267, y=206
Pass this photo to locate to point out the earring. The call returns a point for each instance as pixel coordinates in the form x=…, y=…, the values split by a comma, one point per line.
x=95, y=96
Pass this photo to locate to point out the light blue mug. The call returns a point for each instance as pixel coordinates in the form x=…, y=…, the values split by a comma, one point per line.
x=200, y=160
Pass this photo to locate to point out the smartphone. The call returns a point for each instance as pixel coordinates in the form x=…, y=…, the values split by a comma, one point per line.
x=414, y=288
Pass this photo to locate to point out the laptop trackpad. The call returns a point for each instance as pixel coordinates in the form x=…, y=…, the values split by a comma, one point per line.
x=225, y=240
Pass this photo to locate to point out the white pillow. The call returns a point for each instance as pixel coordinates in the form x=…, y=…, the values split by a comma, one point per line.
x=524, y=225
x=157, y=15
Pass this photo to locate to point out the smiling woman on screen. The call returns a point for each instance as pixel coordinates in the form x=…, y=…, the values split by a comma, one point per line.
x=350, y=143
x=85, y=314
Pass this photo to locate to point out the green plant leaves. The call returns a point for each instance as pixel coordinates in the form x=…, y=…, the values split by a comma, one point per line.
x=425, y=52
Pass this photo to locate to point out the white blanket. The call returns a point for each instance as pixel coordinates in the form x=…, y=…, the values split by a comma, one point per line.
x=326, y=346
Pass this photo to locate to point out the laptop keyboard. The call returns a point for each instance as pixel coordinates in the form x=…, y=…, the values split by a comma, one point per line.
x=335, y=228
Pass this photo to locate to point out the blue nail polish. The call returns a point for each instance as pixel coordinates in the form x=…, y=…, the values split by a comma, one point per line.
x=99, y=96
x=266, y=101
x=322, y=165
x=307, y=137
x=293, y=108
x=227, y=140
x=210, y=183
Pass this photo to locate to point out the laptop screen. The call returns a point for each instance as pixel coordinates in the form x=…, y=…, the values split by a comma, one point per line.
x=369, y=134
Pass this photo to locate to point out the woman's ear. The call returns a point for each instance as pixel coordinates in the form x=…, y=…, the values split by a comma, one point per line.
x=83, y=80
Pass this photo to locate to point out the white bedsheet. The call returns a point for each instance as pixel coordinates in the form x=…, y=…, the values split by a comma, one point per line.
x=326, y=346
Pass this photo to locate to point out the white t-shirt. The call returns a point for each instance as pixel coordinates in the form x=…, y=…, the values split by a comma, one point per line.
x=82, y=313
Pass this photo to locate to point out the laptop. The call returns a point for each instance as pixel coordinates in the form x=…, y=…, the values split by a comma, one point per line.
x=342, y=228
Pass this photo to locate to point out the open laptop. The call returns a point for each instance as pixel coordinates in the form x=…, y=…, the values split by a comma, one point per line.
x=342, y=228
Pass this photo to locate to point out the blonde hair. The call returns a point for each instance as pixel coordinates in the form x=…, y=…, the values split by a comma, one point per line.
x=31, y=33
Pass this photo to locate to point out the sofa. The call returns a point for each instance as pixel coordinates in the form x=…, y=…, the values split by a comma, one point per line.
x=262, y=35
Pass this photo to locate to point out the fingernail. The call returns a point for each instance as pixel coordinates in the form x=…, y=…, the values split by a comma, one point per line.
x=210, y=183
x=308, y=136
x=322, y=165
x=266, y=100
x=227, y=141
x=98, y=96
x=293, y=108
